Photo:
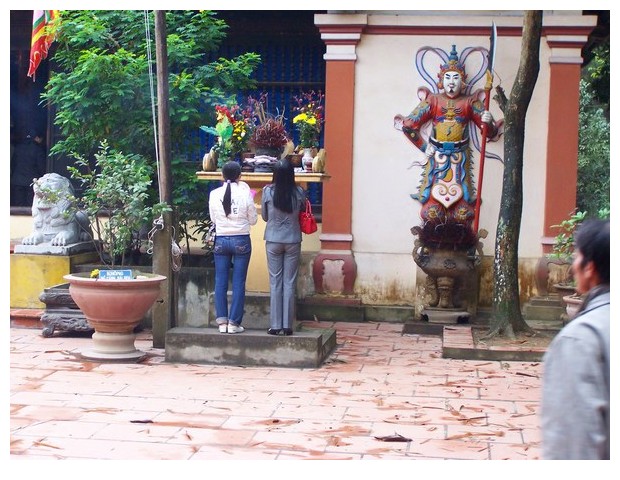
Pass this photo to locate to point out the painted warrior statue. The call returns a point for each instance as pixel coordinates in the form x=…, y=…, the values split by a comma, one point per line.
x=446, y=190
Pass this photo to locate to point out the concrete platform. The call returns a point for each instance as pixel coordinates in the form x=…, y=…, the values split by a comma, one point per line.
x=306, y=348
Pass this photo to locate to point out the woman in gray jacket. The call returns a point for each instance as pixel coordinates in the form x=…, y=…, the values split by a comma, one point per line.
x=281, y=203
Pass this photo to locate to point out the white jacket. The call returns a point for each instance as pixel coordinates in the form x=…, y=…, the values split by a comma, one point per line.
x=242, y=212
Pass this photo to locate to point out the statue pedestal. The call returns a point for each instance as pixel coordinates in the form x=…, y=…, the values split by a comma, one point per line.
x=48, y=249
x=445, y=316
x=61, y=312
x=32, y=273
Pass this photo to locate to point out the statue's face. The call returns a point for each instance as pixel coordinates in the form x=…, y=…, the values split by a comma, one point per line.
x=452, y=84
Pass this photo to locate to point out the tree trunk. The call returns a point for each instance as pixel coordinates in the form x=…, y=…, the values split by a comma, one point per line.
x=507, y=318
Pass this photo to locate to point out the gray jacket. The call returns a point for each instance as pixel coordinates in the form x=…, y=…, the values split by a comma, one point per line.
x=575, y=403
x=282, y=227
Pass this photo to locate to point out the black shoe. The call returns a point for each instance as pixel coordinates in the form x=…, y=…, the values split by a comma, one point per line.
x=287, y=331
x=274, y=331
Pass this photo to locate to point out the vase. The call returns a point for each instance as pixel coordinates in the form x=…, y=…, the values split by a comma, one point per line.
x=572, y=304
x=306, y=160
x=209, y=161
x=114, y=308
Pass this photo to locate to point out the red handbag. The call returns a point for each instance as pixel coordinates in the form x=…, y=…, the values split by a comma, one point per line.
x=307, y=222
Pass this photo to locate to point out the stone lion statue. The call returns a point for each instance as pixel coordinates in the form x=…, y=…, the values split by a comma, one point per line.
x=55, y=217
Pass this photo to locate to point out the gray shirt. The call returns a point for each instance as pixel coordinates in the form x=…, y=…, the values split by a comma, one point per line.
x=282, y=227
x=575, y=403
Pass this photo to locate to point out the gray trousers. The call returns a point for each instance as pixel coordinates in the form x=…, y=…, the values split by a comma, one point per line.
x=283, y=265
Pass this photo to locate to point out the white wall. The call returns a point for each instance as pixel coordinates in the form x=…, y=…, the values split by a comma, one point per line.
x=383, y=212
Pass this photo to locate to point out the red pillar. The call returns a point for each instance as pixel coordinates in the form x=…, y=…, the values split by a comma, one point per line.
x=334, y=268
x=563, y=133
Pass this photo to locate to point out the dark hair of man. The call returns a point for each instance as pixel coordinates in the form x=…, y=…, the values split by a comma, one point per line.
x=231, y=172
x=592, y=240
x=284, y=185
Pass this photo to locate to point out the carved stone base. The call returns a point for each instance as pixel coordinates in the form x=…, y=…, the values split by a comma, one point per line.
x=61, y=312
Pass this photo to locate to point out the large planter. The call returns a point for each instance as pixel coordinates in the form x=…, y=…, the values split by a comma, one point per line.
x=572, y=304
x=114, y=308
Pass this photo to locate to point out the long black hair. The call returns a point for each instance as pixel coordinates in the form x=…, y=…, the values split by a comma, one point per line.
x=284, y=186
x=231, y=172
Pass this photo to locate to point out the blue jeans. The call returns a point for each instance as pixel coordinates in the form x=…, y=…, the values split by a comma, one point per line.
x=235, y=251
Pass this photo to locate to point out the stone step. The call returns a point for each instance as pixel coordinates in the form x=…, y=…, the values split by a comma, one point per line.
x=551, y=312
x=306, y=348
x=550, y=301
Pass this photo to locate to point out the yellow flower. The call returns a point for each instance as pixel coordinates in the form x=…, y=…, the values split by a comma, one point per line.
x=302, y=117
x=94, y=273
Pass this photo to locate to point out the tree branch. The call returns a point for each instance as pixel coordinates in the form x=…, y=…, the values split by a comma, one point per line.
x=500, y=98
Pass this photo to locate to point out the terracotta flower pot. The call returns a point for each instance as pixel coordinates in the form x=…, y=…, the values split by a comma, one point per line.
x=114, y=308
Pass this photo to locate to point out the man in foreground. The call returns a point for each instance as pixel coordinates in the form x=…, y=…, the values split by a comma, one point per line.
x=576, y=385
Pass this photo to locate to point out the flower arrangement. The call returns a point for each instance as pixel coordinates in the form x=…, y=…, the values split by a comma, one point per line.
x=269, y=131
x=233, y=129
x=271, y=134
x=310, y=118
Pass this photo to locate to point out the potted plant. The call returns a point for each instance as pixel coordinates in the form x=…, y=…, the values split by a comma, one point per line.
x=563, y=249
x=115, y=198
x=309, y=121
x=269, y=135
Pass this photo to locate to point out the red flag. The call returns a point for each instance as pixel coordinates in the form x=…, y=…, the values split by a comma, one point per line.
x=43, y=34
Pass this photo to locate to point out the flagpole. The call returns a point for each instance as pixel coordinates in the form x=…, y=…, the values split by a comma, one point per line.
x=164, y=313
x=485, y=127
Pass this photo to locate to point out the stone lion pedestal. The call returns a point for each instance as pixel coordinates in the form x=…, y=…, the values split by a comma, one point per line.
x=61, y=239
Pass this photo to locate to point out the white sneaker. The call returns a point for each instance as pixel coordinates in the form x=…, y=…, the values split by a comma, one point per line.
x=223, y=327
x=232, y=328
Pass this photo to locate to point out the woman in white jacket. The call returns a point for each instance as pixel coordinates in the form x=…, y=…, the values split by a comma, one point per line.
x=232, y=209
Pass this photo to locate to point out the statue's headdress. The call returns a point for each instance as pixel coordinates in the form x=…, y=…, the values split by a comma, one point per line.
x=452, y=65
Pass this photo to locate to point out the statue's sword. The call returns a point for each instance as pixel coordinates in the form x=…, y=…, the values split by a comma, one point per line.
x=483, y=145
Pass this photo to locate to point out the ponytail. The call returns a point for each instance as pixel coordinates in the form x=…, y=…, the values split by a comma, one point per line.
x=231, y=172
x=226, y=201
